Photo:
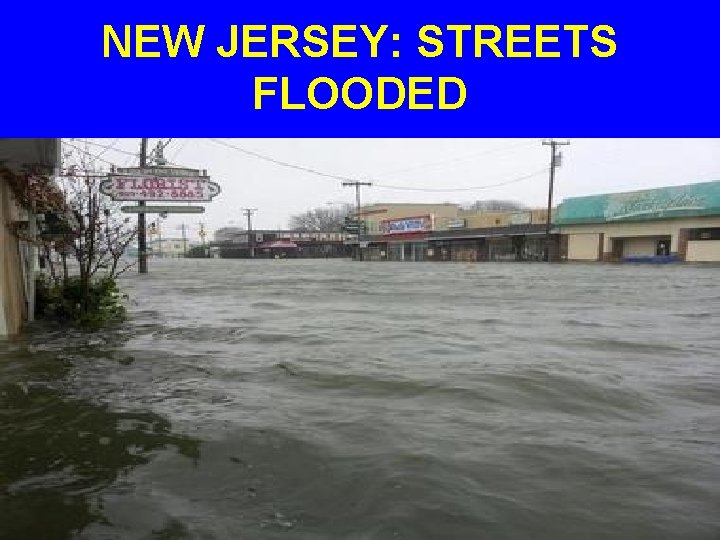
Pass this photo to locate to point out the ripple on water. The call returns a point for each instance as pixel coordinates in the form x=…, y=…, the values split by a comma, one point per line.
x=327, y=400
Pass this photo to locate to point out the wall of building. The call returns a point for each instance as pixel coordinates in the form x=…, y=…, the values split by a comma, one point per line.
x=475, y=219
x=13, y=307
x=584, y=247
x=703, y=251
x=374, y=215
x=672, y=228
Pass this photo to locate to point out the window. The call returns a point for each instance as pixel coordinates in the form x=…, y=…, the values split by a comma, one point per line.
x=708, y=233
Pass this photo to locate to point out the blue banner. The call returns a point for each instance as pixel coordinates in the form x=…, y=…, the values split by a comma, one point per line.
x=338, y=69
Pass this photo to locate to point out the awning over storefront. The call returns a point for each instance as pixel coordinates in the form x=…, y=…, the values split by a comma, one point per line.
x=19, y=154
x=280, y=244
x=691, y=200
x=489, y=232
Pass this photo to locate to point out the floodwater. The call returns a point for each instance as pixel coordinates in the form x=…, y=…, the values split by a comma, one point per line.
x=341, y=400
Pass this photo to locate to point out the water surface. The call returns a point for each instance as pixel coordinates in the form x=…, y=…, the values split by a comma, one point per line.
x=340, y=400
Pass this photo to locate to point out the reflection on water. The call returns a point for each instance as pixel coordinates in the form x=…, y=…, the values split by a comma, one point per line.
x=57, y=452
x=331, y=399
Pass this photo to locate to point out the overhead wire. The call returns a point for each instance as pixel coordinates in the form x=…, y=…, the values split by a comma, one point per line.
x=108, y=147
x=470, y=188
x=280, y=162
x=88, y=153
x=457, y=159
x=311, y=170
x=111, y=147
x=180, y=148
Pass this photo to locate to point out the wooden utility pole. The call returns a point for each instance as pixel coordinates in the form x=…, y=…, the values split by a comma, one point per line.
x=248, y=212
x=142, y=233
x=554, y=162
x=357, y=186
x=184, y=240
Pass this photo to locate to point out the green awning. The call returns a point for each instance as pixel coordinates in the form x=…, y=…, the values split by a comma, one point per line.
x=691, y=200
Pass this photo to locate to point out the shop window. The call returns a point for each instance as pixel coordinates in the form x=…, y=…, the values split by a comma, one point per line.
x=708, y=233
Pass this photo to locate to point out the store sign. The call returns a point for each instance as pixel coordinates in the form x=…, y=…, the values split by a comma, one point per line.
x=520, y=218
x=456, y=224
x=692, y=200
x=406, y=225
x=620, y=207
x=159, y=184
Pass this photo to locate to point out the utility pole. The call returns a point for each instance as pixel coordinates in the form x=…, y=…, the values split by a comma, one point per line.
x=357, y=186
x=184, y=239
x=142, y=233
x=202, y=233
x=159, y=231
x=555, y=160
x=248, y=212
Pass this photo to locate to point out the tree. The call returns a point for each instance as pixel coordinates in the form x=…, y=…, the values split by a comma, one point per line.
x=95, y=241
x=321, y=219
x=101, y=234
x=495, y=205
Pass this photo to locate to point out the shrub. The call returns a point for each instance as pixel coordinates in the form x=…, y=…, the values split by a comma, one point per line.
x=89, y=305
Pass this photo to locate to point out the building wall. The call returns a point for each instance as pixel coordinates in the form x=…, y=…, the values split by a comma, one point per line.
x=477, y=219
x=669, y=227
x=13, y=307
x=703, y=251
x=584, y=247
x=374, y=215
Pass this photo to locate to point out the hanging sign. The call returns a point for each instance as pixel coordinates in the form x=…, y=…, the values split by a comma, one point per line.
x=159, y=184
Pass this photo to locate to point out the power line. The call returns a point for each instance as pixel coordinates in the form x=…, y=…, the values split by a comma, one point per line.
x=133, y=155
x=95, y=156
x=108, y=147
x=180, y=148
x=470, y=188
x=111, y=147
x=457, y=159
x=281, y=163
x=316, y=172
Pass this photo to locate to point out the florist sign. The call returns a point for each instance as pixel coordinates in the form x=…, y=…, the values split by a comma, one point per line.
x=406, y=225
x=159, y=184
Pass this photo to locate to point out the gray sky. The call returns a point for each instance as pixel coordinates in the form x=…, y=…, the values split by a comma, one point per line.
x=589, y=166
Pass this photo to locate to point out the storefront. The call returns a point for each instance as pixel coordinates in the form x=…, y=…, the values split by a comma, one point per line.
x=407, y=250
x=406, y=238
x=457, y=250
x=664, y=224
x=510, y=243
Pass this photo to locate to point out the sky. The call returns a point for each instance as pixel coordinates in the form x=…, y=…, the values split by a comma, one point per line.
x=589, y=166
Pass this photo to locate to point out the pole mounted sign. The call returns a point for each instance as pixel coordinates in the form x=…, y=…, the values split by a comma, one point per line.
x=159, y=184
x=141, y=209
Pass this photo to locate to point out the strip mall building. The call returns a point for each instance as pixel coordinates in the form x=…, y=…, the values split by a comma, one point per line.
x=446, y=232
x=678, y=223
